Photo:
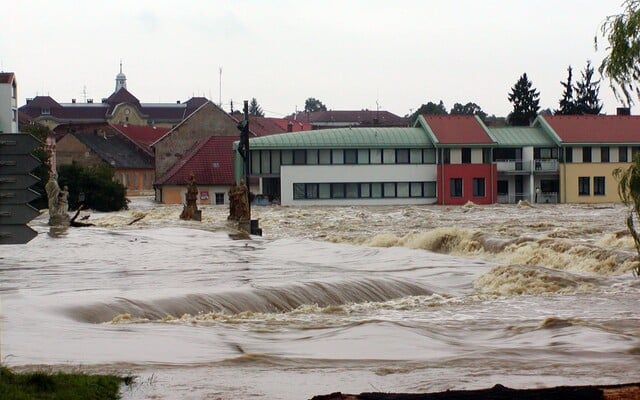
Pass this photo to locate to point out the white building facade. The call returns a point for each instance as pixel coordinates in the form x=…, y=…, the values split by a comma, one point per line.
x=8, y=103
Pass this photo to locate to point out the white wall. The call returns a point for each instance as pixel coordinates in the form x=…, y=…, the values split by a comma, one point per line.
x=290, y=174
x=8, y=106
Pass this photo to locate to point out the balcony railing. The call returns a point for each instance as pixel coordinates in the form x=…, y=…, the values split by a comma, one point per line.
x=541, y=198
x=525, y=167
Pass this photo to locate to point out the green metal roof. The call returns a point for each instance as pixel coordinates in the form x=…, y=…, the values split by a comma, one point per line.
x=515, y=136
x=345, y=138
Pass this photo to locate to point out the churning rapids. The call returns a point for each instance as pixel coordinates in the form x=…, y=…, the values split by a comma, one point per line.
x=351, y=299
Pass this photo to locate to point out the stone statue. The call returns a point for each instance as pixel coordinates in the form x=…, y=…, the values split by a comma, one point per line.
x=233, y=202
x=190, y=210
x=239, y=202
x=58, y=201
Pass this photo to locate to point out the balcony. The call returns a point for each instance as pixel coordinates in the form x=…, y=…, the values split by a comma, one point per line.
x=521, y=167
x=542, y=198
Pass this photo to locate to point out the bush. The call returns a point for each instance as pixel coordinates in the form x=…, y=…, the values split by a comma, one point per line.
x=95, y=187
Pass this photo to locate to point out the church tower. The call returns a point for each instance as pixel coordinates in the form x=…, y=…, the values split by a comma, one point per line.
x=121, y=80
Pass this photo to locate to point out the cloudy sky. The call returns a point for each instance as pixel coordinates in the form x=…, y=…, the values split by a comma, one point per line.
x=349, y=54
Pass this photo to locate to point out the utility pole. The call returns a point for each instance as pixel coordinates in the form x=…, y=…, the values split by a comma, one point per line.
x=220, y=89
x=243, y=148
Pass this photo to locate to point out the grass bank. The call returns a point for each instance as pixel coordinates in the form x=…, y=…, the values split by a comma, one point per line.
x=59, y=386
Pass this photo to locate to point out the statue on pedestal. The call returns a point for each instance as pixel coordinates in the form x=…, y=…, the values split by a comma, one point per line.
x=190, y=210
x=239, y=203
x=58, y=201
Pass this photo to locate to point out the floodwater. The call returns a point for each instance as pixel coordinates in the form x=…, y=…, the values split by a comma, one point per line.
x=351, y=299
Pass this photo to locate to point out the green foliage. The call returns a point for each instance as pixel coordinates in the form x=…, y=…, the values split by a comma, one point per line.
x=42, y=171
x=622, y=64
x=587, y=101
x=312, y=105
x=430, y=108
x=59, y=386
x=567, y=103
x=468, y=109
x=526, y=102
x=629, y=191
x=95, y=187
x=255, y=109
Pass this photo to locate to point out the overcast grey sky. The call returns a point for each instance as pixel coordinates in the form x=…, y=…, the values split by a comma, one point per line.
x=348, y=54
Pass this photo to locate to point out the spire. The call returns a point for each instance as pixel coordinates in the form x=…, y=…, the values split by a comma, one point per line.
x=121, y=79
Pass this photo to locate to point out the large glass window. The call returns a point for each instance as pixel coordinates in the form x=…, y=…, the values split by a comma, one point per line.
x=446, y=156
x=586, y=154
x=352, y=190
x=429, y=156
x=337, y=190
x=337, y=156
x=389, y=189
x=324, y=191
x=325, y=156
x=265, y=163
x=598, y=185
x=402, y=189
x=275, y=161
x=312, y=157
x=287, y=157
x=415, y=156
x=568, y=156
x=363, y=156
x=376, y=156
x=429, y=189
x=478, y=187
x=389, y=156
x=376, y=190
x=255, y=162
x=350, y=156
x=583, y=186
x=365, y=190
x=312, y=190
x=622, y=154
x=416, y=189
x=299, y=157
x=604, y=154
x=298, y=191
x=456, y=187
x=466, y=156
x=402, y=156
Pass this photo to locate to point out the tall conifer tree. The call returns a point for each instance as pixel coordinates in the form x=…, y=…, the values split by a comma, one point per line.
x=587, y=101
x=567, y=103
x=525, y=100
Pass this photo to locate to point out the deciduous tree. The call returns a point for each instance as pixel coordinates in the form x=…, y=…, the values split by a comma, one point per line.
x=622, y=63
x=629, y=191
x=430, y=108
x=525, y=100
x=468, y=109
x=312, y=105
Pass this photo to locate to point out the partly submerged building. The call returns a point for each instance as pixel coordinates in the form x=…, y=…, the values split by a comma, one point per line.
x=448, y=160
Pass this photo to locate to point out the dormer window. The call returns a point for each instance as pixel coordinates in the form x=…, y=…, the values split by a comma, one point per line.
x=45, y=111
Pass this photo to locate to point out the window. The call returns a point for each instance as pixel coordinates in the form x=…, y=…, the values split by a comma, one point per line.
x=478, y=187
x=568, y=155
x=586, y=154
x=604, y=154
x=14, y=115
x=402, y=156
x=275, y=161
x=352, y=190
x=337, y=156
x=466, y=156
x=287, y=157
x=503, y=188
x=429, y=156
x=298, y=191
x=219, y=198
x=312, y=191
x=388, y=156
x=350, y=156
x=389, y=189
x=376, y=156
x=446, y=156
x=486, y=156
x=45, y=111
x=583, y=186
x=299, y=157
x=255, y=162
x=325, y=156
x=598, y=185
x=324, y=191
x=376, y=190
x=415, y=156
x=403, y=189
x=265, y=163
x=416, y=189
x=429, y=189
x=456, y=187
x=363, y=156
x=365, y=190
x=622, y=154
x=312, y=157
x=337, y=190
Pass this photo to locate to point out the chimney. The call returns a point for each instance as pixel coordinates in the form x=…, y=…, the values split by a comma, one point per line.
x=623, y=111
x=73, y=101
x=177, y=101
x=89, y=101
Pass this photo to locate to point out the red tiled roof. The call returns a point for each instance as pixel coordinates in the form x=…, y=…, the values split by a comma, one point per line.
x=122, y=96
x=210, y=161
x=143, y=136
x=6, y=77
x=262, y=126
x=457, y=129
x=595, y=128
